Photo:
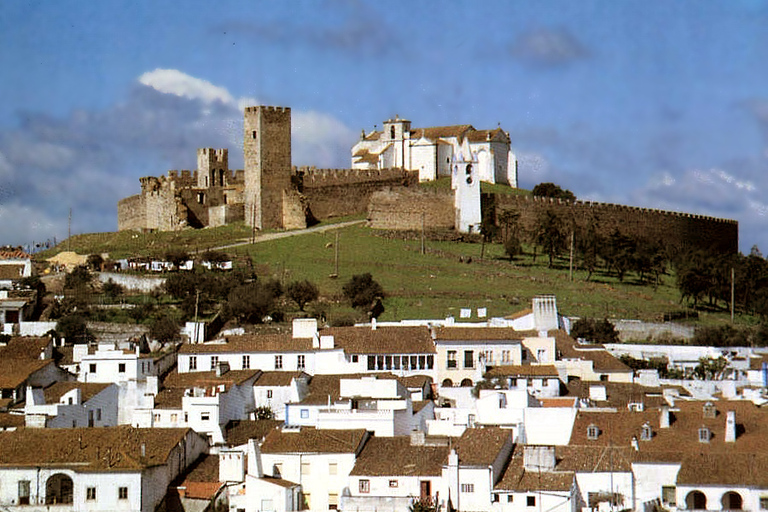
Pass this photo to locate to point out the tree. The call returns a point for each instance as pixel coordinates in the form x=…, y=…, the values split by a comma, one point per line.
x=710, y=369
x=74, y=329
x=111, y=289
x=551, y=190
x=164, y=329
x=302, y=293
x=361, y=291
x=426, y=504
x=177, y=257
x=550, y=235
x=600, y=331
x=79, y=277
x=251, y=302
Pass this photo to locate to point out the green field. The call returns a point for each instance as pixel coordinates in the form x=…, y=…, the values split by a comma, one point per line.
x=431, y=285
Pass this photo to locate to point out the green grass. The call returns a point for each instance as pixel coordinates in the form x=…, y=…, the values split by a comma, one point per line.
x=432, y=285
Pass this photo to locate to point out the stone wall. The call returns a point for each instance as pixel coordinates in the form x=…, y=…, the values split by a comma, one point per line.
x=674, y=229
x=340, y=192
x=131, y=213
x=406, y=208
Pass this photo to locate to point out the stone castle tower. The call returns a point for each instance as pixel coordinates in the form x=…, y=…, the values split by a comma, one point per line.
x=212, y=168
x=267, y=155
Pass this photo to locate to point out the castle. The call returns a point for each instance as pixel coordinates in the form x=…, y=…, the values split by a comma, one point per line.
x=272, y=194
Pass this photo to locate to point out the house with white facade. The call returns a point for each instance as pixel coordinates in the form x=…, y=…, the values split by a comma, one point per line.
x=204, y=401
x=99, y=469
x=15, y=264
x=378, y=403
x=320, y=461
x=430, y=151
x=588, y=361
x=393, y=472
x=273, y=390
x=69, y=404
x=109, y=363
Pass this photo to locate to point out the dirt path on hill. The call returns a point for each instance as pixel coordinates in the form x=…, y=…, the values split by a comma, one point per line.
x=284, y=234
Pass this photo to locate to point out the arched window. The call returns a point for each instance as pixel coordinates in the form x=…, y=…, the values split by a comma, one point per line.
x=466, y=383
x=731, y=501
x=447, y=383
x=696, y=500
x=391, y=132
x=58, y=489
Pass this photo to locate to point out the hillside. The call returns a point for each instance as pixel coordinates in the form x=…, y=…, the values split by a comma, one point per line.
x=448, y=277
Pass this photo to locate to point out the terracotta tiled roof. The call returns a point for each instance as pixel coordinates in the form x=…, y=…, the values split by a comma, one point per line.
x=273, y=378
x=174, y=379
x=602, y=360
x=88, y=390
x=365, y=156
x=14, y=254
x=519, y=314
x=532, y=370
x=416, y=381
x=394, y=456
x=619, y=394
x=756, y=361
x=481, y=334
x=8, y=420
x=436, y=132
x=481, y=446
x=11, y=272
x=251, y=343
x=169, y=398
x=561, y=401
x=420, y=404
x=238, y=432
x=484, y=135
x=26, y=347
x=278, y=481
x=601, y=459
x=516, y=478
x=91, y=449
x=311, y=440
x=374, y=135
x=13, y=372
x=202, y=479
x=383, y=340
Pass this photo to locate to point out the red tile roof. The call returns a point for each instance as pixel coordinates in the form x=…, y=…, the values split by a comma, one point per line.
x=395, y=456
x=312, y=440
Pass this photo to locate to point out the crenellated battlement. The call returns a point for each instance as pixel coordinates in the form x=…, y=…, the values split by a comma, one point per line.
x=626, y=208
x=312, y=177
x=267, y=108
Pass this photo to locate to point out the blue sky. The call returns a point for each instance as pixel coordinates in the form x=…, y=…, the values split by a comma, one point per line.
x=662, y=104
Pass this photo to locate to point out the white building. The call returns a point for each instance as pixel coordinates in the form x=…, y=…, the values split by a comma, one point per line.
x=95, y=469
x=320, y=461
x=430, y=151
x=108, y=363
x=72, y=404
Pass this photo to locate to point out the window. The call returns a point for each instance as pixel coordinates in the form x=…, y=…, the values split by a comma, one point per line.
x=205, y=416
x=92, y=368
x=668, y=493
x=269, y=393
x=393, y=483
x=451, y=359
x=193, y=362
x=174, y=417
x=593, y=432
x=246, y=362
x=278, y=362
x=365, y=486
x=541, y=355
x=305, y=468
x=305, y=413
x=186, y=417
x=763, y=502
x=23, y=492
x=430, y=362
x=214, y=362
x=157, y=417
x=121, y=367
x=646, y=433
x=495, y=498
x=354, y=358
x=371, y=363
x=90, y=493
x=307, y=501
x=333, y=501
x=510, y=498
x=277, y=469
x=122, y=493
x=98, y=414
x=253, y=135
x=530, y=501
x=703, y=435
x=469, y=359
x=300, y=361
x=467, y=487
x=332, y=468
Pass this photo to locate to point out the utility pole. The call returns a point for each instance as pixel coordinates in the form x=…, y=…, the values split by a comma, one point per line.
x=69, y=231
x=422, y=233
x=733, y=291
x=570, y=271
x=197, y=302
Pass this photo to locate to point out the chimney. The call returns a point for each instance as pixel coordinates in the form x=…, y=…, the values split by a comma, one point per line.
x=143, y=450
x=730, y=427
x=418, y=438
x=635, y=444
x=664, y=417
x=373, y=324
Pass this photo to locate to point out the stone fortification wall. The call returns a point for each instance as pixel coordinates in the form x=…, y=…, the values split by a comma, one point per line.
x=407, y=208
x=674, y=229
x=131, y=213
x=340, y=192
x=225, y=214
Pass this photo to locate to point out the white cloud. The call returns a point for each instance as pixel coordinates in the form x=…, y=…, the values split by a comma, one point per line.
x=172, y=81
x=321, y=140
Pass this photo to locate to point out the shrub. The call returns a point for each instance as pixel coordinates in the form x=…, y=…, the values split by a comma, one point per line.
x=599, y=331
x=302, y=293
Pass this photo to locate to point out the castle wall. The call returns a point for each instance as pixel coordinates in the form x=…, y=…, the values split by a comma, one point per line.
x=131, y=213
x=407, y=208
x=225, y=214
x=341, y=192
x=675, y=229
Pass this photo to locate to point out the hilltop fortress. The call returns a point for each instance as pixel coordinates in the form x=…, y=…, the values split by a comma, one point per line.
x=270, y=193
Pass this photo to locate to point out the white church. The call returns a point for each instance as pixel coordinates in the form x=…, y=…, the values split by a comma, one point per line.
x=432, y=151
